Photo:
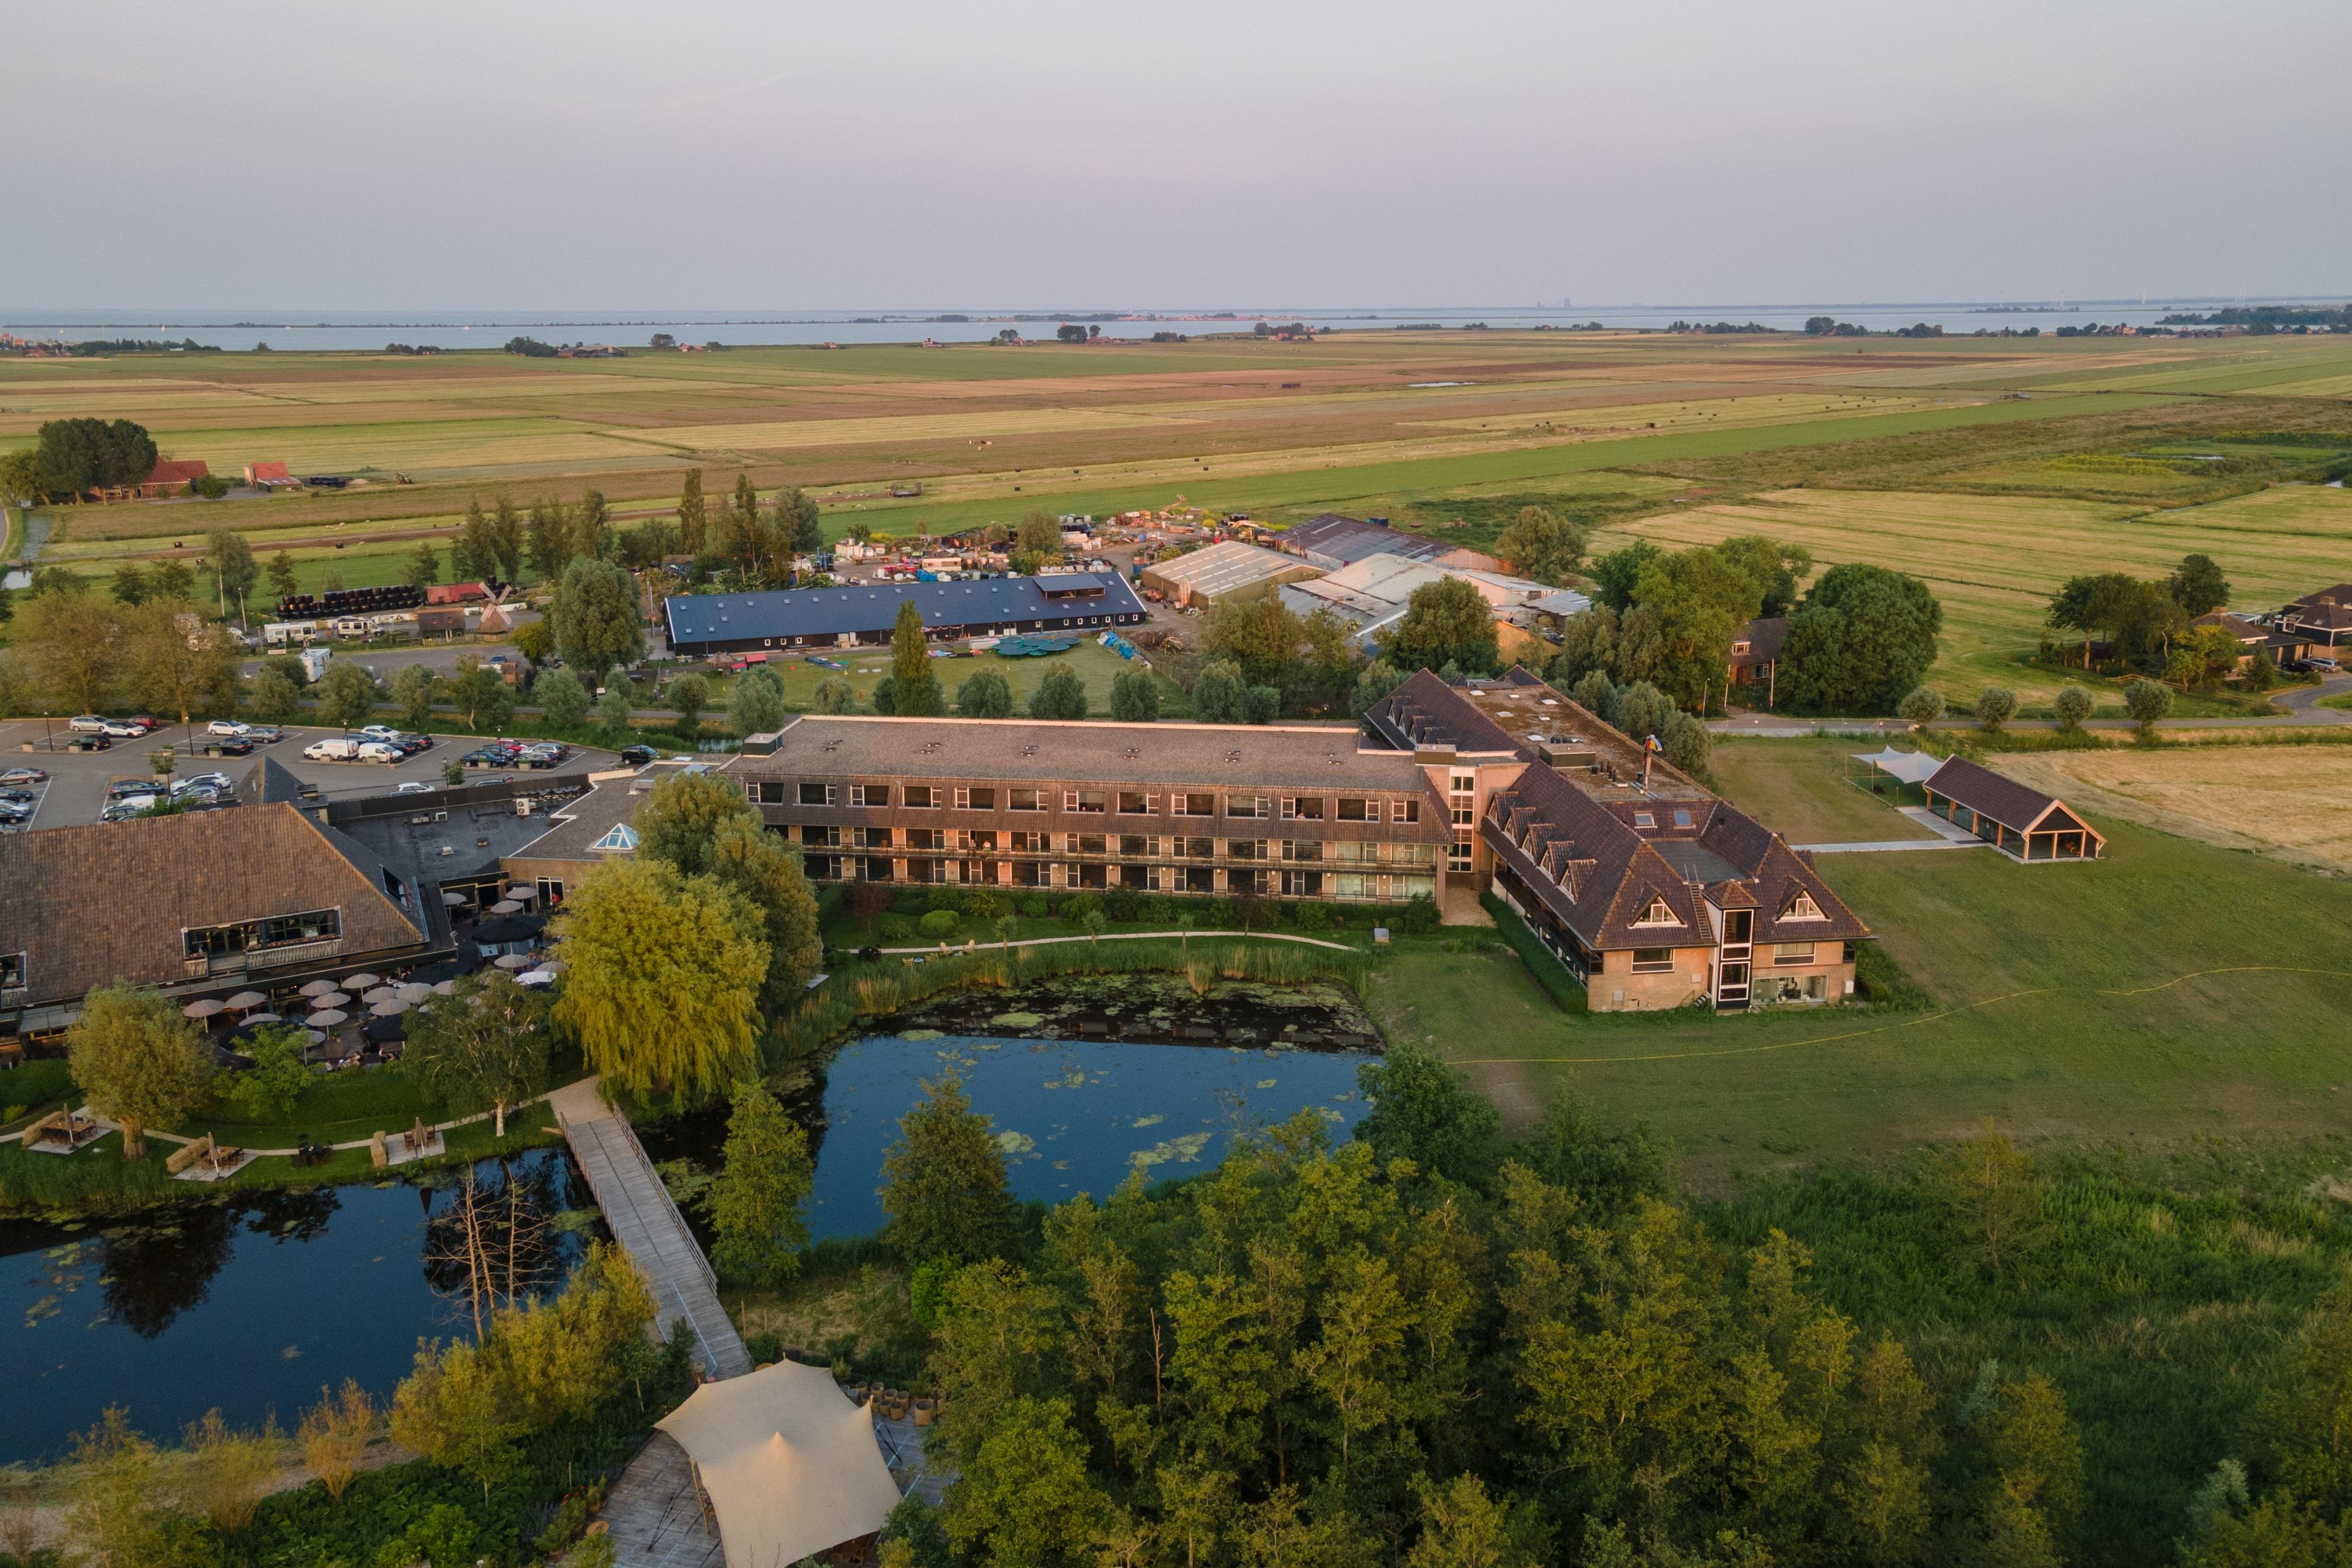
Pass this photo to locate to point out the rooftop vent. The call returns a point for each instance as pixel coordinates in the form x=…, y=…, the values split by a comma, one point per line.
x=1234, y=756
x=930, y=746
x=833, y=745
x=1028, y=750
x=1130, y=754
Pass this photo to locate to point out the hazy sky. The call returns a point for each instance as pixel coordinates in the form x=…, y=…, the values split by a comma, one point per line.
x=693, y=154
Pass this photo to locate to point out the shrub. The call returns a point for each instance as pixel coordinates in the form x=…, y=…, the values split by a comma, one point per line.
x=895, y=928
x=1160, y=911
x=1224, y=914
x=1076, y=909
x=1034, y=906
x=1995, y=706
x=1262, y=704
x=2146, y=702
x=1313, y=917
x=1123, y=903
x=1921, y=705
x=941, y=923
x=2072, y=706
x=1419, y=917
x=982, y=904
x=943, y=898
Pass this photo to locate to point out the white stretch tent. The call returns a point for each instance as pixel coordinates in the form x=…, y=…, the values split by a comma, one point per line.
x=1911, y=767
x=790, y=1465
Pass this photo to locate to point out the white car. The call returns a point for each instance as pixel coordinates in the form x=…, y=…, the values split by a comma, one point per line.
x=201, y=780
x=125, y=729
x=129, y=805
x=226, y=727
x=378, y=732
x=87, y=724
x=415, y=787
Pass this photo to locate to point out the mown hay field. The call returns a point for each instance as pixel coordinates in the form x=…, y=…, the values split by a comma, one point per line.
x=2296, y=800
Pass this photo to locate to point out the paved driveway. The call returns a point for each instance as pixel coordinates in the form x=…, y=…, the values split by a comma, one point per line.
x=75, y=792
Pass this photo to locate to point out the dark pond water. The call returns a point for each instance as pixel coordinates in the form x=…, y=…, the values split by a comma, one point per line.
x=251, y=1305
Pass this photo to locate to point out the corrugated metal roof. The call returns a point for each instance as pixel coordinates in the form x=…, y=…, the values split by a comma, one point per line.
x=872, y=608
x=1223, y=567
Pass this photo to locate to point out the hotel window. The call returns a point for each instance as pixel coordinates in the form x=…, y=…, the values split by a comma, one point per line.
x=1135, y=846
x=1027, y=800
x=1027, y=843
x=870, y=837
x=978, y=797
x=1354, y=808
x=551, y=891
x=1791, y=954
x=827, y=838
x=1192, y=804
x=1461, y=794
x=1653, y=960
x=1303, y=884
x=1803, y=909
x=1405, y=810
x=1134, y=803
x=1354, y=885
x=1089, y=843
x=1458, y=854
x=768, y=792
x=1348, y=851
x=1087, y=800
x=922, y=797
x=1029, y=874
x=255, y=936
x=1243, y=848
x=976, y=838
x=1193, y=848
x=1309, y=849
x=817, y=795
x=926, y=839
x=869, y=794
x=1658, y=912
x=1245, y=805
x=1302, y=808
x=12, y=971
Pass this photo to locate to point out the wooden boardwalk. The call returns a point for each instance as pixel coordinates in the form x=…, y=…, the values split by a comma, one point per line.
x=645, y=1221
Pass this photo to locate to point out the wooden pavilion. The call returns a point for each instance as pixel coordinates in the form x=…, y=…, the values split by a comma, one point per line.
x=2021, y=822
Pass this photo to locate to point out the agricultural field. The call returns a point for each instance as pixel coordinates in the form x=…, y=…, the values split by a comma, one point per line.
x=2164, y=994
x=2290, y=802
x=1993, y=561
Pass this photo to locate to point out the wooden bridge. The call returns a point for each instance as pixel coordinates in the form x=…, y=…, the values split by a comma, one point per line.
x=645, y=1221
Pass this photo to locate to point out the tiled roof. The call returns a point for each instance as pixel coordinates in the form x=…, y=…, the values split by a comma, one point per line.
x=1427, y=712
x=1763, y=638
x=109, y=901
x=1982, y=790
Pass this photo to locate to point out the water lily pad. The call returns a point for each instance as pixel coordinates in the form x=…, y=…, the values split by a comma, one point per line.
x=1061, y=1164
x=1265, y=1083
x=1016, y=1142
x=1183, y=1150
x=922, y=1034
x=1019, y=1020
x=1152, y=1121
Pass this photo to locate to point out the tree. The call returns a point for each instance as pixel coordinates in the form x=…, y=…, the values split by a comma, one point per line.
x=1543, y=545
x=1135, y=697
x=748, y=858
x=2072, y=705
x=482, y=1047
x=235, y=569
x=689, y=696
x=594, y=616
x=334, y=1436
x=412, y=690
x=592, y=528
x=1061, y=696
x=1643, y=710
x=2198, y=587
x=679, y=820
x=834, y=694
x=1262, y=635
x=1995, y=707
x=270, y=1088
x=1039, y=534
x=66, y=637
x=755, y=704
x=1462, y=1527
x=1588, y=644
x=1772, y=566
x=274, y=696
x=755, y=1201
x=944, y=1182
x=1423, y=1109
x=473, y=555
x=548, y=539
x=129, y=585
x=281, y=575
x=1863, y=638
x=1444, y=622
x=797, y=520
x=1262, y=704
x=346, y=695
x=1616, y=574
x=987, y=695
x=1025, y=1497
x=122, y=1516
x=480, y=693
x=1990, y=1189
x=1373, y=683
x=1689, y=745
x=1219, y=694
x=612, y=708
x=425, y=566
x=2039, y=1457
x=139, y=1062
x=693, y=525
x=665, y=978
x=229, y=1470
x=459, y=1414
x=534, y=640
x=914, y=689
x=562, y=701
x=2148, y=702
x=507, y=540
x=177, y=663
x=73, y=456
x=20, y=479
x=1921, y=705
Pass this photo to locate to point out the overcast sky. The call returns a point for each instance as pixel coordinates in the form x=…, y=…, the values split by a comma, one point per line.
x=578, y=154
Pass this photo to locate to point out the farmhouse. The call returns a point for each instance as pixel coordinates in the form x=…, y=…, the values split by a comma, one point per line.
x=1650, y=889
x=701, y=625
x=2021, y=823
x=2251, y=635
x=1332, y=540
x=2321, y=620
x=165, y=479
x=268, y=476
x=1230, y=571
x=1756, y=654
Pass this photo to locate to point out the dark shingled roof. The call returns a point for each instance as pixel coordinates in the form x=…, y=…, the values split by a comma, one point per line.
x=1988, y=794
x=1763, y=638
x=703, y=620
x=109, y=901
x=1426, y=712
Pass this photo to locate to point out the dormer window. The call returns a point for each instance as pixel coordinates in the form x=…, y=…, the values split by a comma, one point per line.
x=1657, y=912
x=1645, y=820
x=1682, y=819
x=1802, y=907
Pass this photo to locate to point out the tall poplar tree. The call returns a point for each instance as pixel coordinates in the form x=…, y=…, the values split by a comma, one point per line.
x=914, y=688
x=693, y=523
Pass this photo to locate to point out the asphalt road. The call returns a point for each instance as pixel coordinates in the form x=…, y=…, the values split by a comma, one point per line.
x=75, y=791
x=440, y=658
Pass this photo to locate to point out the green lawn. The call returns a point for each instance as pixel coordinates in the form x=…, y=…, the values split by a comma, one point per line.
x=2171, y=992
x=1799, y=788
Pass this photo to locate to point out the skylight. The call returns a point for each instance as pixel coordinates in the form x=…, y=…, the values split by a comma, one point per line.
x=619, y=839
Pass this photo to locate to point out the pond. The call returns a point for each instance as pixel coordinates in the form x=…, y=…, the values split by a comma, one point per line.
x=251, y=1303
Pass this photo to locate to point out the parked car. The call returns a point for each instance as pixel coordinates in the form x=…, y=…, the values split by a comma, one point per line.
x=86, y=743
x=202, y=781
x=488, y=757
x=378, y=732
x=87, y=724
x=264, y=734
x=130, y=807
x=126, y=730
x=2325, y=666
x=334, y=749
x=19, y=776
x=123, y=789
x=414, y=786
x=230, y=746
x=226, y=727
x=637, y=756
x=10, y=795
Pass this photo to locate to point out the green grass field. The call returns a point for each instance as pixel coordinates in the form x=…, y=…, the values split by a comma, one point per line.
x=1799, y=789
x=2164, y=994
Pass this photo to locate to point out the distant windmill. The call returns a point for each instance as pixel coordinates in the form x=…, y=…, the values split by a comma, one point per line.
x=494, y=619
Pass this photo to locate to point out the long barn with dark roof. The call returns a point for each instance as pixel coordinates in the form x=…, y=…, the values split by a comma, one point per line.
x=700, y=624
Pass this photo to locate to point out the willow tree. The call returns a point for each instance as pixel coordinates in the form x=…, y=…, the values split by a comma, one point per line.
x=664, y=982
x=480, y=1049
x=138, y=1060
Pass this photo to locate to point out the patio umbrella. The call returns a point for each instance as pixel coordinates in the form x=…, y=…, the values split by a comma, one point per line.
x=390, y=1008
x=413, y=993
x=244, y=999
x=314, y=1037
x=377, y=993
x=453, y=901
x=328, y=1018
x=330, y=999
x=318, y=988
x=512, y=961
x=253, y=1018
x=506, y=907
x=361, y=981
x=444, y=988
x=551, y=965
x=521, y=890
x=203, y=1009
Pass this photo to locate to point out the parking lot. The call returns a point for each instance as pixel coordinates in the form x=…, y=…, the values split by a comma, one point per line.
x=75, y=792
